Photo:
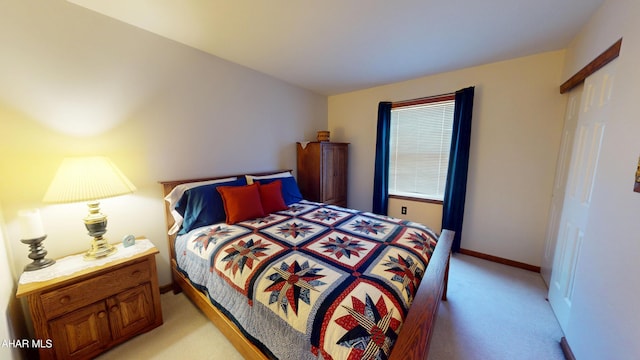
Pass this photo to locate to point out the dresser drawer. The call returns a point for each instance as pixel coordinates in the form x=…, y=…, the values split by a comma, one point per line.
x=60, y=301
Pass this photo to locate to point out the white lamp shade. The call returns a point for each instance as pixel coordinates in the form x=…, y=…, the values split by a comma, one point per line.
x=86, y=179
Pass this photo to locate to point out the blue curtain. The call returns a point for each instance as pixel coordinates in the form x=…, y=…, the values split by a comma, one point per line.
x=456, y=186
x=381, y=174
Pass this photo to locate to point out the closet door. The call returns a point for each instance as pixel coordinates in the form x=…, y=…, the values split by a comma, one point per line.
x=560, y=183
x=592, y=122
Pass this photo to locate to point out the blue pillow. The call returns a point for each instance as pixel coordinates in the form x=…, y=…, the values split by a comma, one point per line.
x=290, y=191
x=202, y=205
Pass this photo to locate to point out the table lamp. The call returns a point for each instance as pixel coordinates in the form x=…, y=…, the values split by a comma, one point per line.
x=89, y=179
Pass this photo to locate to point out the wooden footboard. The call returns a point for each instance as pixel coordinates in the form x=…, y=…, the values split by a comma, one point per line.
x=417, y=329
x=415, y=335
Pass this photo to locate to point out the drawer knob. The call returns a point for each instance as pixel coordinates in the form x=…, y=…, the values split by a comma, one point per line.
x=65, y=299
x=101, y=314
x=135, y=273
x=114, y=308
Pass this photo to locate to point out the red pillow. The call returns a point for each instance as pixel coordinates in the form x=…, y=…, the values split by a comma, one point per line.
x=271, y=197
x=241, y=202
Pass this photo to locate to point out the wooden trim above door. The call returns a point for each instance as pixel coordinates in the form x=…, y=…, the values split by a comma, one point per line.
x=603, y=59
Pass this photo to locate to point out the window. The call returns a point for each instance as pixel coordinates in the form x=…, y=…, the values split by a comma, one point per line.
x=420, y=139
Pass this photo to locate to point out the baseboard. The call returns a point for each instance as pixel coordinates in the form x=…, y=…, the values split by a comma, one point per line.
x=500, y=260
x=166, y=288
x=566, y=349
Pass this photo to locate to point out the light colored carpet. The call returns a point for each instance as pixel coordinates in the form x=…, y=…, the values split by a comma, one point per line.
x=493, y=312
x=185, y=334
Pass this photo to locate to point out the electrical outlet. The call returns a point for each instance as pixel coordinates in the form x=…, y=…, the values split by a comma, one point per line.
x=403, y=210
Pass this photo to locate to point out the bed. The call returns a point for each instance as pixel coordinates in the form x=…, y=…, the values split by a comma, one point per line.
x=303, y=280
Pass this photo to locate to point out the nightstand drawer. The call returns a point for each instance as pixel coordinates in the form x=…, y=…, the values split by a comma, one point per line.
x=58, y=302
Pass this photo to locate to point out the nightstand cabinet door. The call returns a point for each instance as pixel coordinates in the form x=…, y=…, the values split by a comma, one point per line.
x=81, y=333
x=131, y=311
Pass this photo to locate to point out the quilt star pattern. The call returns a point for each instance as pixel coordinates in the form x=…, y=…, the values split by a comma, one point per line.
x=314, y=281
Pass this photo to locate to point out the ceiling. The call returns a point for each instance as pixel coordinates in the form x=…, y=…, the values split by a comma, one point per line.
x=337, y=46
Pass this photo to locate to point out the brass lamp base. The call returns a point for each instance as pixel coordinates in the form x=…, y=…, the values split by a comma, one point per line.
x=96, y=224
x=99, y=249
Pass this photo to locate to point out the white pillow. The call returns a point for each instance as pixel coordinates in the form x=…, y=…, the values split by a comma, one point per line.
x=176, y=194
x=283, y=174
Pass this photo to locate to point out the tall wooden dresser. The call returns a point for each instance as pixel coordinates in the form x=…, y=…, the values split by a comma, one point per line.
x=322, y=171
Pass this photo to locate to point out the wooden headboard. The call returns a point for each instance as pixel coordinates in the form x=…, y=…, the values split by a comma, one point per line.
x=168, y=186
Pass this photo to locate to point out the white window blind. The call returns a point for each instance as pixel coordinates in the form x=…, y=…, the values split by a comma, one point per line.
x=419, y=149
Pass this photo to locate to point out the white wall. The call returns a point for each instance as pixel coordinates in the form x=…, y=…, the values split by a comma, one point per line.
x=604, y=321
x=429, y=214
x=73, y=82
x=517, y=120
x=9, y=308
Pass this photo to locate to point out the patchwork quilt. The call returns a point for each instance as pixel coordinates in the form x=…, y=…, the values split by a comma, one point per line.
x=313, y=282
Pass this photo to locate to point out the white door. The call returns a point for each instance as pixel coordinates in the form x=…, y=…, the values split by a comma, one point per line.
x=592, y=121
x=559, y=185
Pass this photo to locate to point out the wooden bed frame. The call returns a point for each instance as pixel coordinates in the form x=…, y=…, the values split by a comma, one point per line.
x=415, y=334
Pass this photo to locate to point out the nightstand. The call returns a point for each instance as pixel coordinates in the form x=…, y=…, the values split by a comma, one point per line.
x=93, y=309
